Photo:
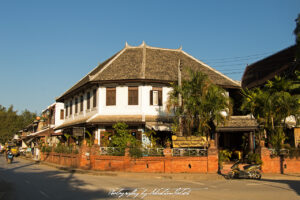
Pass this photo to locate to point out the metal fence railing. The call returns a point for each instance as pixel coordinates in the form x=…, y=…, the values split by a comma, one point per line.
x=189, y=152
x=274, y=152
x=144, y=152
x=153, y=151
x=293, y=152
x=112, y=151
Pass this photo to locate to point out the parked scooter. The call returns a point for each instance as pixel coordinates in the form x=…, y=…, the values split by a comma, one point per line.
x=251, y=171
x=10, y=157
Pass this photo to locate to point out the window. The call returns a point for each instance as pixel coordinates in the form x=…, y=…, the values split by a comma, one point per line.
x=62, y=114
x=94, y=98
x=71, y=107
x=110, y=96
x=133, y=95
x=76, y=105
x=67, y=110
x=88, y=100
x=81, y=103
x=156, y=96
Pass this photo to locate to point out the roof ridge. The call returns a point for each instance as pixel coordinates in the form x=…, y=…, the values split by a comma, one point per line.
x=151, y=47
x=209, y=67
x=143, y=71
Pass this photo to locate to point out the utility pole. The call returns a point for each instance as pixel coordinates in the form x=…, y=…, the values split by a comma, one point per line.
x=180, y=99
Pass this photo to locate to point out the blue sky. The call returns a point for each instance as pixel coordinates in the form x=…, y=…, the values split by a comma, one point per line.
x=47, y=46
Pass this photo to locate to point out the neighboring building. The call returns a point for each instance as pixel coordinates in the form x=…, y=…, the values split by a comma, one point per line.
x=132, y=87
x=282, y=63
x=42, y=129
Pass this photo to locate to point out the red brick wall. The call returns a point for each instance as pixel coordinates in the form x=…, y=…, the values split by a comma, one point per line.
x=273, y=165
x=69, y=160
x=167, y=164
x=150, y=164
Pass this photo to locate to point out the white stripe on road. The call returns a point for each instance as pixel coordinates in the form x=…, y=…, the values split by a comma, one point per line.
x=44, y=194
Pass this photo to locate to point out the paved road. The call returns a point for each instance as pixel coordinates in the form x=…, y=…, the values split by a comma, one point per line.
x=26, y=180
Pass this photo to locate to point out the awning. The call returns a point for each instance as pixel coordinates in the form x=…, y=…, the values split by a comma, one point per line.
x=115, y=118
x=73, y=122
x=159, y=126
x=28, y=141
x=57, y=133
x=238, y=124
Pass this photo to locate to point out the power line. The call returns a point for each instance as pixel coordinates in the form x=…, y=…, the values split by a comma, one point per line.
x=229, y=58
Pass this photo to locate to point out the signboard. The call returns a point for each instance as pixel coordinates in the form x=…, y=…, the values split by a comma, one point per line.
x=297, y=136
x=191, y=141
x=78, y=131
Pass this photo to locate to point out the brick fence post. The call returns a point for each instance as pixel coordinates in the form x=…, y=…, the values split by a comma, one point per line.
x=85, y=156
x=127, y=159
x=269, y=165
x=95, y=150
x=168, y=159
x=212, y=158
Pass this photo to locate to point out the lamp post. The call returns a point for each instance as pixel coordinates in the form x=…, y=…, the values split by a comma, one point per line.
x=180, y=98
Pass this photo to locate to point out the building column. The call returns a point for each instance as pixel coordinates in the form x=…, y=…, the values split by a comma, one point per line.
x=251, y=142
x=216, y=137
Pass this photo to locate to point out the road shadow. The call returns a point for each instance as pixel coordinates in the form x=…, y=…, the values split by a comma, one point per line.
x=293, y=184
x=24, y=182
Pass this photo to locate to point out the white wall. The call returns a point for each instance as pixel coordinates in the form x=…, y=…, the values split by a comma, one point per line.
x=122, y=107
x=85, y=112
x=58, y=106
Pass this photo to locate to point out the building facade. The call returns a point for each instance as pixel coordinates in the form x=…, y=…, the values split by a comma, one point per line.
x=132, y=87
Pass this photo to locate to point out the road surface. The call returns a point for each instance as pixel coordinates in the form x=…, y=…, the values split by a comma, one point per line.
x=27, y=180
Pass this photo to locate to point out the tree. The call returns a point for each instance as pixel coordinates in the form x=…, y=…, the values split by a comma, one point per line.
x=11, y=122
x=122, y=136
x=271, y=105
x=202, y=104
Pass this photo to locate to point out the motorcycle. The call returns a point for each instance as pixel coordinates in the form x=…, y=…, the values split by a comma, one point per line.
x=251, y=171
x=10, y=157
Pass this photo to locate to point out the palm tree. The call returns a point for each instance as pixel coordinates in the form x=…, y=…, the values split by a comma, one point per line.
x=271, y=105
x=202, y=104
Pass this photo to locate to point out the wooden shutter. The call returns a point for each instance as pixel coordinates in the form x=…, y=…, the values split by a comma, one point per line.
x=159, y=91
x=151, y=97
x=110, y=96
x=139, y=135
x=160, y=97
x=94, y=98
x=88, y=102
x=67, y=110
x=81, y=103
x=133, y=96
x=71, y=107
x=76, y=105
x=62, y=114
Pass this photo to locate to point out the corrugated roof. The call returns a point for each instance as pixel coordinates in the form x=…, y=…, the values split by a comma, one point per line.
x=259, y=72
x=150, y=63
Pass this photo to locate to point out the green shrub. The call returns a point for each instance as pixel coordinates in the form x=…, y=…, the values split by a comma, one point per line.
x=65, y=149
x=293, y=153
x=46, y=149
x=224, y=156
x=136, y=152
x=254, y=158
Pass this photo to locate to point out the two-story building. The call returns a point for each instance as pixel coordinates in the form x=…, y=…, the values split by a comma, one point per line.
x=132, y=87
x=42, y=129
